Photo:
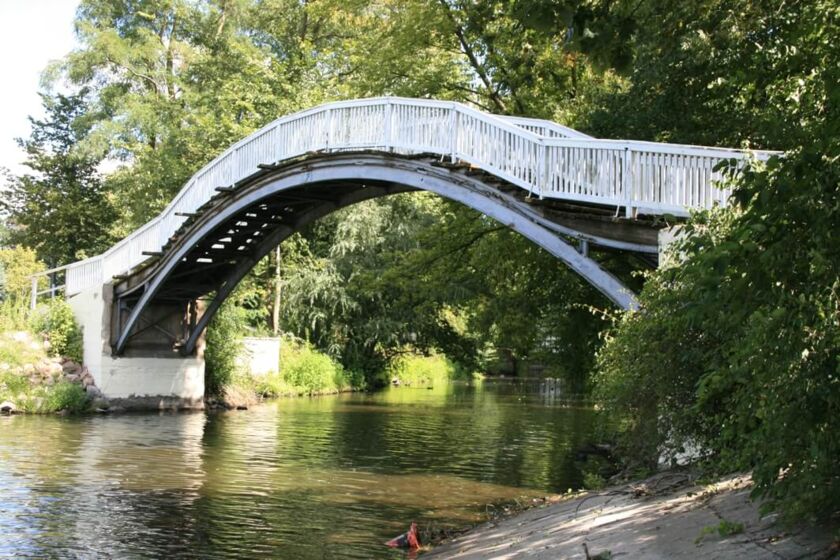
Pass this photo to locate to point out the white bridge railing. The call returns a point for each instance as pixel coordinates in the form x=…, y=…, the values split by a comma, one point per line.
x=546, y=159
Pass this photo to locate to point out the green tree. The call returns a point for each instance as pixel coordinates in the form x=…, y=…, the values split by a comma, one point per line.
x=61, y=210
x=710, y=72
x=417, y=272
x=176, y=82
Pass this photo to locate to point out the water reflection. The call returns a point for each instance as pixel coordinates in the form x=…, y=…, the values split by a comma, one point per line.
x=309, y=478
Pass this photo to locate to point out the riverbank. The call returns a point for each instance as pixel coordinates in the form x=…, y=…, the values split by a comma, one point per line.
x=242, y=396
x=667, y=516
x=32, y=381
x=307, y=372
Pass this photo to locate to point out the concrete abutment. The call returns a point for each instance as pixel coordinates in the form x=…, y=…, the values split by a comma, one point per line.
x=151, y=380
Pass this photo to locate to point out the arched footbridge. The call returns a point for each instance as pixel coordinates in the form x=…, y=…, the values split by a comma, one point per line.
x=566, y=191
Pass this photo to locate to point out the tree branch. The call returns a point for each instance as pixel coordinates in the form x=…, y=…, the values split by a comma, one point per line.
x=460, y=248
x=474, y=62
x=144, y=77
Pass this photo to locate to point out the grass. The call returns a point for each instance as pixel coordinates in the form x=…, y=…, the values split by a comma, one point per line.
x=42, y=399
x=306, y=371
x=14, y=316
x=303, y=370
x=18, y=351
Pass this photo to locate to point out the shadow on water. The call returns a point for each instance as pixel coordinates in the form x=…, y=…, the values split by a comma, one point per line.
x=329, y=477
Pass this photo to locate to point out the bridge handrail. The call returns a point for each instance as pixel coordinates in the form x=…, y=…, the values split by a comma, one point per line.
x=546, y=128
x=547, y=159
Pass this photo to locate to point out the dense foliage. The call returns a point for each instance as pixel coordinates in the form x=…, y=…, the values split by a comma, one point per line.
x=713, y=72
x=411, y=369
x=18, y=355
x=416, y=271
x=17, y=264
x=224, y=345
x=736, y=351
x=30, y=397
x=303, y=370
x=55, y=322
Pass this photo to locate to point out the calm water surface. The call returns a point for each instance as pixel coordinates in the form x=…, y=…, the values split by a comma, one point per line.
x=329, y=477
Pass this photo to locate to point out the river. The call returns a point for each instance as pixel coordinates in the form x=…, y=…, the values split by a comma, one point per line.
x=309, y=478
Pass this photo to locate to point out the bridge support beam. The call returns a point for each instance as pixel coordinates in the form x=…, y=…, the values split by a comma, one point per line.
x=148, y=379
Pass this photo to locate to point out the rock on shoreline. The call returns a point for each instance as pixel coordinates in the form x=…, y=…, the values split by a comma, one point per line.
x=47, y=372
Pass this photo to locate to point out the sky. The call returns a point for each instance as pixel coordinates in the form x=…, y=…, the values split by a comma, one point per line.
x=32, y=33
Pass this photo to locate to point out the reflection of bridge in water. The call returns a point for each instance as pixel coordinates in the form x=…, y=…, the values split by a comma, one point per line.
x=567, y=192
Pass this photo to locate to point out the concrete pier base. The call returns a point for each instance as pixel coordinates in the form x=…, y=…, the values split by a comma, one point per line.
x=156, y=380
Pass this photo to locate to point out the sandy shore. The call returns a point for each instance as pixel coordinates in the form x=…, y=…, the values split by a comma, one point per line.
x=664, y=517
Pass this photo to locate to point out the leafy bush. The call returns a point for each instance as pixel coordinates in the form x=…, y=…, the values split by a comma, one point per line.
x=414, y=369
x=19, y=264
x=70, y=397
x=63, y=396
x=305, y=370
x=313, y=370
x=224, y=344
x=16, y=266
x=14, y=316
x=18, y=351
x=736, y=350
x=56, y=323
x=593, y=481
x=12, y=385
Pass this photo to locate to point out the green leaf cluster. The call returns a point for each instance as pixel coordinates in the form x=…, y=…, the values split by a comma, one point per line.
x=223, y=346
x=55, y=322
x=413, y=369
x=17, y=265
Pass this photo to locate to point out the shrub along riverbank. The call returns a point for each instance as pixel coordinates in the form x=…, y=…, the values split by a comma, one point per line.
x=33, y=381
x=305, y=371
x=734, y=352
x=415, y=369
x=40, y=349
x=302, y=368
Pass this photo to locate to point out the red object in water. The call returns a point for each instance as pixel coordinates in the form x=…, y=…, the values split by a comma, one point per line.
x=409, y=540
